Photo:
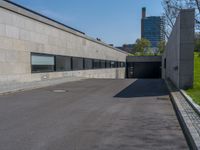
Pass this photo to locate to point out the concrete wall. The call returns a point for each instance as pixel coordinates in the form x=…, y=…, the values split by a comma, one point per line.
x=179, y=51
x=144, y=59
x=23, y=32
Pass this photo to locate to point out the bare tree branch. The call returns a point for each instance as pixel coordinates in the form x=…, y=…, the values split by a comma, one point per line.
x=172, y=9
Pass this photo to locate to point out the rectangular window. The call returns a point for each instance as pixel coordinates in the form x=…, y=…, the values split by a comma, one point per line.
x=63, y=63
x=112, y=64
x=88, y=64
x=42, y=63
x=165, y=63
x=124, y=64
x=108, y=65
x=96, y=63
x=50, y=63
x=103, y=64
x=77, y=63
x=118, y=64
x=115, y=64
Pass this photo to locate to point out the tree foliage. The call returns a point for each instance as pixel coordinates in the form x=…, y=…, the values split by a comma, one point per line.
x=172, y=9
x=142, y=46
x=161, y=47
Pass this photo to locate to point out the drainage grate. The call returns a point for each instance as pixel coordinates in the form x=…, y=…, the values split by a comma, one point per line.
x=60, y=91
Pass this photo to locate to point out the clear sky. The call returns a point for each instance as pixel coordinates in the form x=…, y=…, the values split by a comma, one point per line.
x=113, y=21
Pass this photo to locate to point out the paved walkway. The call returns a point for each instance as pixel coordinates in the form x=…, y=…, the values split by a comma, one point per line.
x=91, y=115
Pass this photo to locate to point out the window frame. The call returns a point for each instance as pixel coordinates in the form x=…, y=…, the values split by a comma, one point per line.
x=42, y=54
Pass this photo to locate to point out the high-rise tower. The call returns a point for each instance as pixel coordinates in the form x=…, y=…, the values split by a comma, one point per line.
x=152, y=28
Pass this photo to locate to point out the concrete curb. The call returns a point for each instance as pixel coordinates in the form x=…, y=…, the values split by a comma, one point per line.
x=191, y=102
x=189, y=129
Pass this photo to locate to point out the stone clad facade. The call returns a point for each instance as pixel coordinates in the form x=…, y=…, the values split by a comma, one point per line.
x=23, y=32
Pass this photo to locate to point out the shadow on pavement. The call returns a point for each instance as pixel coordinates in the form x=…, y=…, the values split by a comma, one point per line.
x=144, y=88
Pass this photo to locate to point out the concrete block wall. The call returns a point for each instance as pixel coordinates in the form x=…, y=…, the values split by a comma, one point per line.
x=179, y=54
x=23, y=32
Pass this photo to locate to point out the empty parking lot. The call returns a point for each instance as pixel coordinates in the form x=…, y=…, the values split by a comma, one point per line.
x=91, y=115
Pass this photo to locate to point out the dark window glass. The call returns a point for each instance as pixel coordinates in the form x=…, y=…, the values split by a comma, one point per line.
x=118, y=64
x=77, y=63
x=122, y=64
x=63, y=63
x=96, y=63
x=165, y=63
x=112, y=64
x=42, y=63
x=103, y=64
x=50, y=63
x=108, y=64
x=88, y=63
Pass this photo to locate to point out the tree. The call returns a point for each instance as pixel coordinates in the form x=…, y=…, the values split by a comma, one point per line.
x=172, y=9
x=161, y=47
x=142, y=46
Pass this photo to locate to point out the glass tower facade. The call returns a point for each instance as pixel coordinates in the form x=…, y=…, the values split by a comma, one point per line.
x=152, y=29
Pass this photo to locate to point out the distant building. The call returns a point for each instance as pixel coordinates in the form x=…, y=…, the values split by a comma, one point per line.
x=152, y=28
x=129, y=48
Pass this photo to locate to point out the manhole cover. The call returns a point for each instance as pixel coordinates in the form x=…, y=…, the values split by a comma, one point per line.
x=59, y=91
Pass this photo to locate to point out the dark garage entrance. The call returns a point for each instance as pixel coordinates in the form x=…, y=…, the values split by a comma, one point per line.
x=143, y=67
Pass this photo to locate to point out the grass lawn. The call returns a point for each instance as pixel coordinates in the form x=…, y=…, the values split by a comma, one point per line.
x=195, y=91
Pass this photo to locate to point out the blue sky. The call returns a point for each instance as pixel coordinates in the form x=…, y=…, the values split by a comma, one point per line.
x=114, y=21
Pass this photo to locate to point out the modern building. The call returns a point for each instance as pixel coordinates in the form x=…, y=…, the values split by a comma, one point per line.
x=152, y=28
x=129, y=48
x=34, y=47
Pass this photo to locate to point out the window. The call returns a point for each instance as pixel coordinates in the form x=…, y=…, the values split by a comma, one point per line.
x=122, y=64
x=50, y=63
x=165, y=63
x=42, y=63
x=118, y=64
x=63, y=63
x=88, y=64
x=96, y=64
x=77, y=63
x=102, y=64
x=112, y=64
x=115, y=64
x=108, y=65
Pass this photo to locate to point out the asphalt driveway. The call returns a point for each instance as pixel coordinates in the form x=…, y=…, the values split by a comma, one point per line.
x=91, y=115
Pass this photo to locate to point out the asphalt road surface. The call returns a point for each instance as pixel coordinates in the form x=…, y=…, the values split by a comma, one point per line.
x=91, y=115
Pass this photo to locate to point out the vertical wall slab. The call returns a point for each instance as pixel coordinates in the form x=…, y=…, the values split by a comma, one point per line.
x=178, y=59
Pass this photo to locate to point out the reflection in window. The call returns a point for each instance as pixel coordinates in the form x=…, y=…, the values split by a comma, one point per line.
x=88, y=64
x=63, y=63
x=112, y=64
x=96, y=64
x=49, y=63
x=42, y=63
x=77, y=63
